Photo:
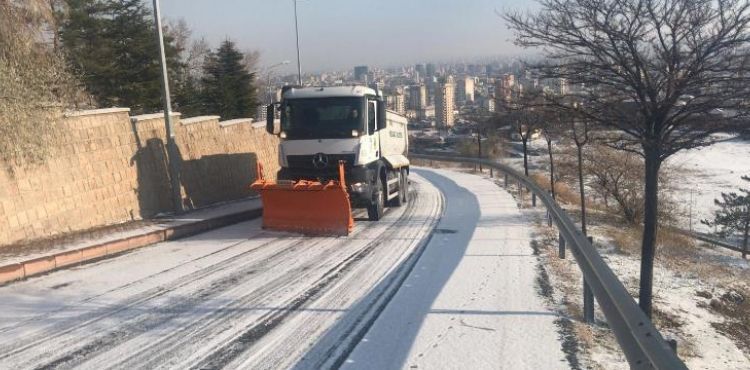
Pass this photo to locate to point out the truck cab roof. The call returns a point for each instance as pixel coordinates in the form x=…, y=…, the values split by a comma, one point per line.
x=328, y=92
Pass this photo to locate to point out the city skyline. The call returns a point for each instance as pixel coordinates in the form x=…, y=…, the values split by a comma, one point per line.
x=408, y=33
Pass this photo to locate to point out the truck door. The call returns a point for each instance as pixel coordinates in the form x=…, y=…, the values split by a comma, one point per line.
x=372, y=127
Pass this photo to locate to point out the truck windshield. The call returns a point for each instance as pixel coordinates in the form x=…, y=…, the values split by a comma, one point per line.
x=322, y=118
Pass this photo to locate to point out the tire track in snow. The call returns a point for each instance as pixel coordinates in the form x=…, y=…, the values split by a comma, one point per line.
x=57, y=330
x=230, y=351
x=70, y=342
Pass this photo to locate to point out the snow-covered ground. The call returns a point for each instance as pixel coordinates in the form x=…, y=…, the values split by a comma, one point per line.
x=682, y=311
x=241, y=297
x=704, y=173
x=691, y=283
x=472, y=301
x=237, y=297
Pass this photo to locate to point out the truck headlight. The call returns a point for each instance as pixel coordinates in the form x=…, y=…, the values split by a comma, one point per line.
x=359, y=187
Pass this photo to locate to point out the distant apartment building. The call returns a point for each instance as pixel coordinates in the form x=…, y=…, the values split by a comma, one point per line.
x=419, y=68
x=396, y=101
x=260, y=113
x=489, y=104
x=465, y=90
x=563, y=87
x=444, y=102
x=426, y=112
x=417, y=97
x=504, y=87
x=430, y=70
x=360, y=73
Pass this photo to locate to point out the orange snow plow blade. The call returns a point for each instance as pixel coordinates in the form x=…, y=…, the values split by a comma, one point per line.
x=308, y=207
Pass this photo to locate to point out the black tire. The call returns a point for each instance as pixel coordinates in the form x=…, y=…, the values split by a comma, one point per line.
x=399, y=200
x=404, y=192
x=376, y=209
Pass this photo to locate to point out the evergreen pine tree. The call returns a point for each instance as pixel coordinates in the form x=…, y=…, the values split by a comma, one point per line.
x=733, y=215
x=113, y=46
x=227, y=87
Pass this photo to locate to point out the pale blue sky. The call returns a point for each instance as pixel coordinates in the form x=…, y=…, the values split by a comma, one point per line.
x=338, y=34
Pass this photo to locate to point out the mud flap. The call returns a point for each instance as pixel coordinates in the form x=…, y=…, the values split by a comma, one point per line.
x=307, y=207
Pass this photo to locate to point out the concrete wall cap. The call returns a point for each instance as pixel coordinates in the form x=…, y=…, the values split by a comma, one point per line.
x=146, y=117
x=199, y=119
x=237, y=121
x=93, y=112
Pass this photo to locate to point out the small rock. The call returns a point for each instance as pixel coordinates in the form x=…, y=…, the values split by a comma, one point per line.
x=716, y=304
x=733, y=296
x=704, y=294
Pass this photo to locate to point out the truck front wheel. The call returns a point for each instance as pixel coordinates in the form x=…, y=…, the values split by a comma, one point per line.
x=377, y=207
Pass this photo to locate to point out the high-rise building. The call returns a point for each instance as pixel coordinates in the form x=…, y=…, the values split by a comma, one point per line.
x=360, y=73
x=420, y=69
x=430, y=70
x=444, y=99
x=465, y=90
x=504, y=89
x=563, y=86
x=396, y=101
x=417, y=96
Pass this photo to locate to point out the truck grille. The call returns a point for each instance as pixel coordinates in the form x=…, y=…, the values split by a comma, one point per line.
x=306, y=161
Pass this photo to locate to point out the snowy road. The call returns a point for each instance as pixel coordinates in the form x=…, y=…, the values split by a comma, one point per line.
x=240, y=297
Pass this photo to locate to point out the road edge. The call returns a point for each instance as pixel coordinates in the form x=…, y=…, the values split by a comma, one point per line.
x=20, y=271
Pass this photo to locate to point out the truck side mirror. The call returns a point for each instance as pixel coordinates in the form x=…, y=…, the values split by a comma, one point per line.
x=381, y=114
x=270, y=118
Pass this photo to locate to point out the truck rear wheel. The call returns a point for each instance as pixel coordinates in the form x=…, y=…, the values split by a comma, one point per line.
x=376, y=209
x=404, y=191
x=399, y=200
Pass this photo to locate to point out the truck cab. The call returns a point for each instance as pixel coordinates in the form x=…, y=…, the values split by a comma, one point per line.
x=321, y=126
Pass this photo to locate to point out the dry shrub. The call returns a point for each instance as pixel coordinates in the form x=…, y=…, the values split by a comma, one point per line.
x=563, y=193
x=36, y=85
x=675, y=246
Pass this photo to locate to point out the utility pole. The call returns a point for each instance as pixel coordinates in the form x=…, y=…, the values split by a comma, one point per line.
x=479, y=144
x=173, y=155
x=296, y=31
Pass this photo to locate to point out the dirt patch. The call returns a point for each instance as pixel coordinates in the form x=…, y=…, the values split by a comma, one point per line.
x=565, y=327
x=734, y=305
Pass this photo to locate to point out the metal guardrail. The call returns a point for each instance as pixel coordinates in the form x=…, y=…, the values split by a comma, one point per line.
x=643, y=345
x=710, y=240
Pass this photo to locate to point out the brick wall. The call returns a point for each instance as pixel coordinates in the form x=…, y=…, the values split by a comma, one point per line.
x=107, y=167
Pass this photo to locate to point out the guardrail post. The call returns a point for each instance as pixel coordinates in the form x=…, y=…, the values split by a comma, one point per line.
x=561, y=246
x=588, y=298
x=506, y=180
x=549, y=219
x=491, y=172
x=533, y=199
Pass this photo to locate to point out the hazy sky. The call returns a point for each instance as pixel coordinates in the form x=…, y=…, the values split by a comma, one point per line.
x=338, y=34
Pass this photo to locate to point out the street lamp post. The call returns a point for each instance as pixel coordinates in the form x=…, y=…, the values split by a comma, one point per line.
x=172, y=153
x=296, y=31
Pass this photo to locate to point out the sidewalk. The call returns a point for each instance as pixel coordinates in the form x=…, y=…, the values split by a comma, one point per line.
x=16, y=264
x=472, y=300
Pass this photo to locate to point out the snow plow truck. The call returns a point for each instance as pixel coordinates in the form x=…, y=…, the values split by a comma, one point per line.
x=339, y=148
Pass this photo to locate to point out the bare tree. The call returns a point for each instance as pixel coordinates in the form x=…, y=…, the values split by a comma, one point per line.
x=579, y=132
x=525, y=113
x=551, y=126
x=665, y=73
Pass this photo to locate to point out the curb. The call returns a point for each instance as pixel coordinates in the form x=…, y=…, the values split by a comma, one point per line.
x=37, y=266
